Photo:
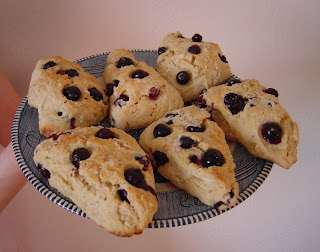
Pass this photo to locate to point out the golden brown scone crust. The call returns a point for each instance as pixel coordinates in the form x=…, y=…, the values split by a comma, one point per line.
x=139, y=110
x=210, y=185
x=245, y=126
x=56, y=112
x=206, y=69
x=95, y=185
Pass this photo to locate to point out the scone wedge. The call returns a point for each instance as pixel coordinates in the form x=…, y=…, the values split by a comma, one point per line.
x=190, y=150
x=191, y=65
x=105, y=172
x=138, y=94
x=66, y=96
x=251, y=114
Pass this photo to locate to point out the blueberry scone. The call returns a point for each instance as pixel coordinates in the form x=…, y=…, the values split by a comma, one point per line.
x=138, y=94
x=191, y=65
x=66, y=96
x=105, y=172
x=191, y=151
x=251, y=114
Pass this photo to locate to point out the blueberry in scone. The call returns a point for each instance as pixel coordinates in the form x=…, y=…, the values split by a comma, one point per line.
x=105, y=172
x=138, y=94
x=190, y=150
x=191, y=65
x=66, y=96
x=251, y=114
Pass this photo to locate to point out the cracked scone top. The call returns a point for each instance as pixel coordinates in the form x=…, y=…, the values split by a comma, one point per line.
x=105, y=172
x=191, y=151
x=138, y=94
x=191, y=65
x=251, y=114
x=65, y=95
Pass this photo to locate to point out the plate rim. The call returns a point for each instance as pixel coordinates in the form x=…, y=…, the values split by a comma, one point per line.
x=155, y=223
x=105, y=53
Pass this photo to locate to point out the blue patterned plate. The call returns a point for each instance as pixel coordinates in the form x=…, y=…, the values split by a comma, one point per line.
x=176, y=207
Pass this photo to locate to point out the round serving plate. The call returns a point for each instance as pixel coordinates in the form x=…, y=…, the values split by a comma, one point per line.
x=175, y=206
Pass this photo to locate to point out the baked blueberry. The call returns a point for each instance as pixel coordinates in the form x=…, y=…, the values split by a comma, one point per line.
x=223, y=58
x=233, y=81
x=160, y=158
x=105, y=133
x=271, y=91
x=162, y=50
x=183, y=77
x=139, y=74
x=234, y=102
x=72, y=123
x=78, y=155
x=196, y=38
x=196, y=129
x=124, y=61
x=272, y=133
x=49, y=64
x=161, y=130
x=123, y=194
x=116, y=83
x=110, y=86
x=213, y=157
x=95, y=94
x=56, y=136
x=72, y=93
x=70, y=72
x=109, y=89
x=135, y=177
x=187, y=142
x=170, y=114
x=121, y=100
x=202, y=103
x=143, y=160
x=154, y=93
x=44, y=172
x=194, y=49
x=195, y=159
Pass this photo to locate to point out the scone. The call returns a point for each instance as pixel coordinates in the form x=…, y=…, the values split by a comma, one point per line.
x=191, y=65
x=105, y=172
x=138, y=94
x=190, y=150
x=251, y=114
x=66, y=96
